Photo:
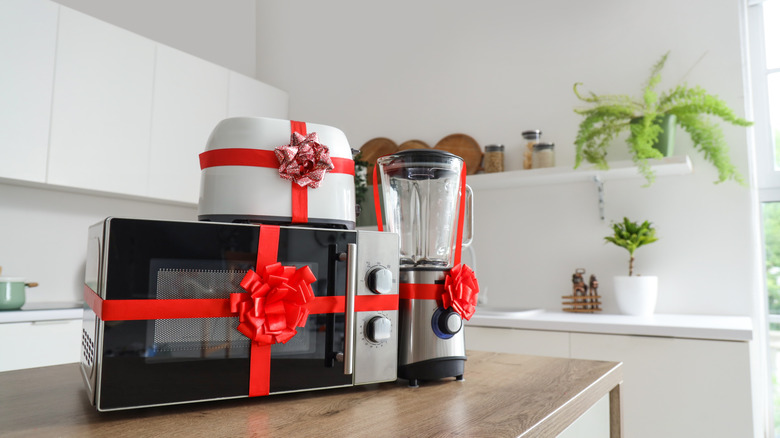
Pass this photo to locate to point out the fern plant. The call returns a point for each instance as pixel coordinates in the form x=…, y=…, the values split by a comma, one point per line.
x=631, y=235
x=609, y=116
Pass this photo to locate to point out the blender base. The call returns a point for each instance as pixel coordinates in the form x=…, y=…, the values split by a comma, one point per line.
x=433, y=369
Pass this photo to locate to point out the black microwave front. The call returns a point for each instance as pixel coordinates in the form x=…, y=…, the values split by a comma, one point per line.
x=163, y=321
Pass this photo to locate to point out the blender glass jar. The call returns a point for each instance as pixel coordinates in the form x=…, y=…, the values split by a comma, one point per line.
x=421, y=190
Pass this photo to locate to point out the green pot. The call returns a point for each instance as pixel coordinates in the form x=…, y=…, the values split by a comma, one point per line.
x=11, y=293
x=665, y=142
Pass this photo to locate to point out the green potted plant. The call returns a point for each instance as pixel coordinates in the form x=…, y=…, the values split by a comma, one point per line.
x=635, y=295
x=651, y=117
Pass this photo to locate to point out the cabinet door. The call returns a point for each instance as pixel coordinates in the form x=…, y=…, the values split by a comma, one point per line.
x=533, y=342
x=251, y=98
x=102, y=107
x=38, y=344
x=677, y=387
x=28, y=38
x=190, y=98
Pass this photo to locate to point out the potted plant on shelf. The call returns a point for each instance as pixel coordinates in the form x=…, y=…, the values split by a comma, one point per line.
x=651, y=118
x=636, y=295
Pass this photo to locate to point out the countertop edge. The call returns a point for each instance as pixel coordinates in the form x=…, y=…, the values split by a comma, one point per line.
x=708, y=327
x=11, y=316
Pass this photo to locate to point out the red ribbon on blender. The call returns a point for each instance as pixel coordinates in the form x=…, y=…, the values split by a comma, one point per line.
x=460, y=288
x=304, y=162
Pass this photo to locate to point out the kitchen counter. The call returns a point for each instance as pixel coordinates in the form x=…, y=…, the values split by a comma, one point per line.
x=502, y=395
x=724, y=328
x=35, y=312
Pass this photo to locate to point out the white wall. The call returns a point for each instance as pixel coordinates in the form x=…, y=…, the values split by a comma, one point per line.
x=220, y=32
x=492, y=69
x=43, y=235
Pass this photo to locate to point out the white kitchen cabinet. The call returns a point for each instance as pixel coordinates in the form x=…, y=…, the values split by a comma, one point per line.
x=102, y=107
x=190, y=98
x=677, y=387
x=251, y=98
x=533, y=342
x=28, y=40
x=40, y=343
x=673, y=387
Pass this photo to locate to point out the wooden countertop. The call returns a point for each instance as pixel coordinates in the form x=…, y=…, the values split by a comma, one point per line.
x=502, y=395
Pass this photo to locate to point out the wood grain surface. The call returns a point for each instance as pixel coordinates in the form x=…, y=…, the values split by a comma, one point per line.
x=503, y=395
x=373, y=149
x=465, y=147
x=413, y=144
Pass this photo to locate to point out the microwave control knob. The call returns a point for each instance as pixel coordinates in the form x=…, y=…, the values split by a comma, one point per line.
x=378, y=329
x=379, y=280
x=450, y=322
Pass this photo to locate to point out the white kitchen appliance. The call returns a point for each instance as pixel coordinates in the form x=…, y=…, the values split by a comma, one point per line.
x=240, y=177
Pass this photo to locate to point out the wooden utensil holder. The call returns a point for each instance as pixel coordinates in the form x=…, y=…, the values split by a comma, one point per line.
x=581, y=303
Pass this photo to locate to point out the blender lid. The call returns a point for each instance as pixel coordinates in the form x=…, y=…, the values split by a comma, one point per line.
x=422, y=156
x=421, y=164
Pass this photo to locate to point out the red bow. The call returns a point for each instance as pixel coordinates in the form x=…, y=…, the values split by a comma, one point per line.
x=304, y=161
x=460, y=291
x=275, y=304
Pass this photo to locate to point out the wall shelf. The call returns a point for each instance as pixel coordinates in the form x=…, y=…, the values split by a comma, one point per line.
x=678, y=165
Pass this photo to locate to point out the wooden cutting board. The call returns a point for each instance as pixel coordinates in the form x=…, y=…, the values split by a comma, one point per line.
x=413, y=144
x=373, y=149
x=465, y=147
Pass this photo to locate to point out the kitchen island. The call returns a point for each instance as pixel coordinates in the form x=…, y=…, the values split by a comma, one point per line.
x=503, y=395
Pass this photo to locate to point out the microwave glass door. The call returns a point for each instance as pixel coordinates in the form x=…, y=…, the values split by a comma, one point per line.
x=163, y=361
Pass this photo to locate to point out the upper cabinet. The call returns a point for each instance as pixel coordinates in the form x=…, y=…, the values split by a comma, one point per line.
x=89, y=105
x=190, y=98
x=28, y=40
x=102, y=107
x=249, y=97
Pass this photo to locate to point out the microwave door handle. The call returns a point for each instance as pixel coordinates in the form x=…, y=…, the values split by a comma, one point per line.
x=349, y=315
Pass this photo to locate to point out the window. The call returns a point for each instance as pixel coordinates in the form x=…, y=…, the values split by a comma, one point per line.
x=763, y=16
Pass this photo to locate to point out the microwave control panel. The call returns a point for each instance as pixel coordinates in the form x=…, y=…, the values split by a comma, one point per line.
x=376, y=340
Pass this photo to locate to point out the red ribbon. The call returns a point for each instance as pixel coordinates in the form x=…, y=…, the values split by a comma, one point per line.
x=289, y=166
x=275, y=304
x=459, y=291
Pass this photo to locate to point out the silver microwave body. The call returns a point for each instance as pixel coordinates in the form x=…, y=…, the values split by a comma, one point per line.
x=339, y=350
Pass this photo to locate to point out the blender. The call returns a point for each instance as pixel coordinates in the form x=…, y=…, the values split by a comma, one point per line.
x=424, y=195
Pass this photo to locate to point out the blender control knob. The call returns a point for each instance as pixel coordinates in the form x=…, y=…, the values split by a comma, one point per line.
x=450, y=322
x=378, y=329
x=379, y=280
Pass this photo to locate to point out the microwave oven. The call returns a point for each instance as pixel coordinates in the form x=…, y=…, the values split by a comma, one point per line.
x=161, y=324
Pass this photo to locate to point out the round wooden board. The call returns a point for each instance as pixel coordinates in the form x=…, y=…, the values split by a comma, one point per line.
x=413, y=144
x=373, y=149
x=465, y=147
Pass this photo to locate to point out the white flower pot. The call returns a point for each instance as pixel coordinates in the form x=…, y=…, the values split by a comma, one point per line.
x=636, y=295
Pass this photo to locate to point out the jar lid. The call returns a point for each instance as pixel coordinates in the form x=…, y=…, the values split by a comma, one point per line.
x=543, y=146
x=532, y=134
x=494, y=148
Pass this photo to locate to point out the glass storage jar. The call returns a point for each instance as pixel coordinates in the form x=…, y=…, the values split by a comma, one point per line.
x=543, y=155
x=532, y=137
x=494, y=158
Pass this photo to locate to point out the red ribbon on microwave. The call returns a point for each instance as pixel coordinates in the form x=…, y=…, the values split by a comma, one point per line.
x=273, y=307
x=304, y=161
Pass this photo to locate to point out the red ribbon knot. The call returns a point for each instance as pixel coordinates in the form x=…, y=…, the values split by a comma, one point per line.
x=304, y=161
x=460, y=291
x=275, y=303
